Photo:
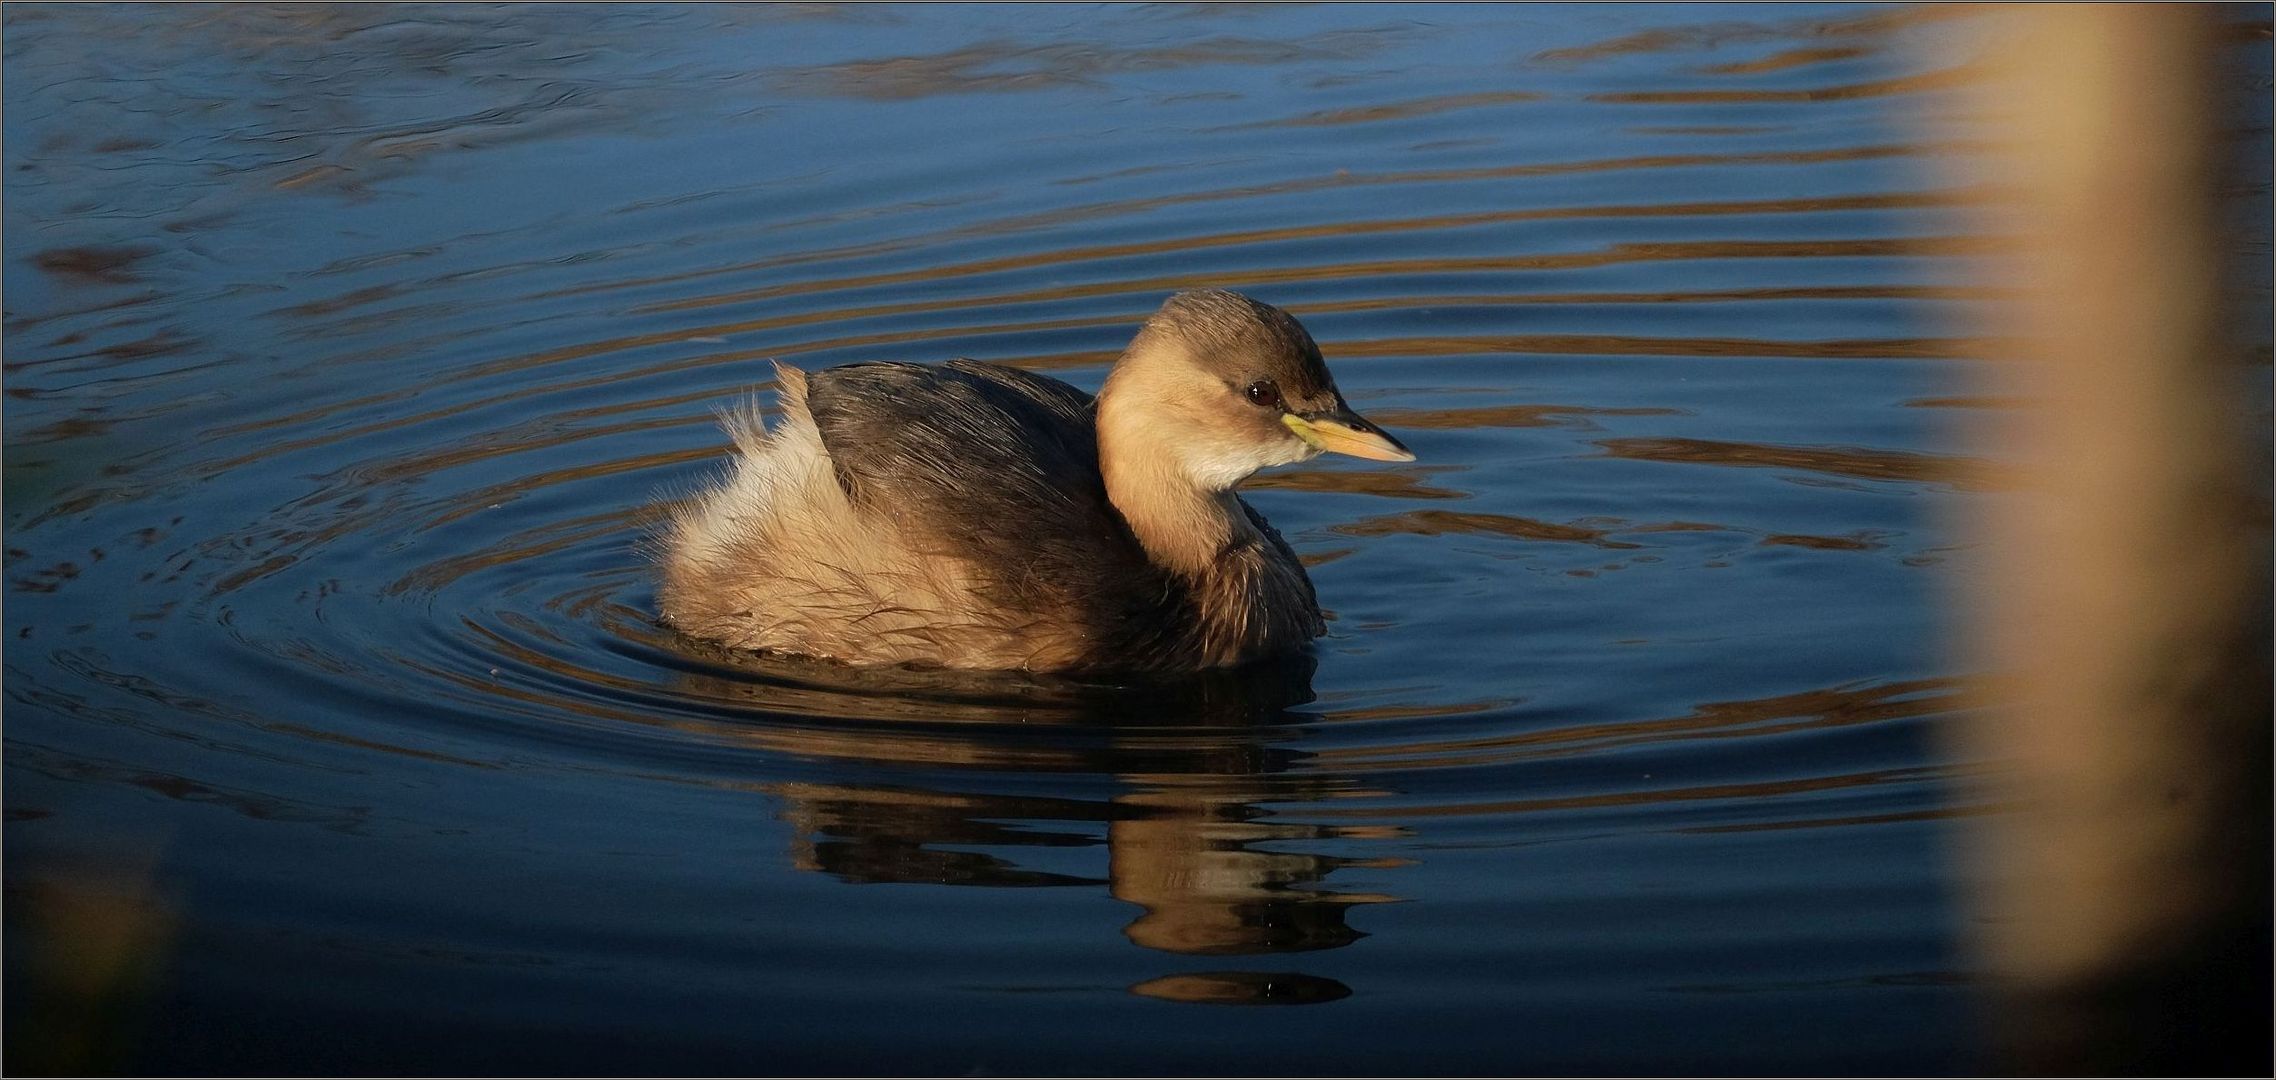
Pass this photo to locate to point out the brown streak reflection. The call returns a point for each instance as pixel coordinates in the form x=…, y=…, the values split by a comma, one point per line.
x=1441, y=522
x=1710, y=130
x=490, y=445
x=613, y=408
x=1006, y=66
x=1974, y=401
x=94, y=265
x=517, y=548
x=1768, y=789
x=20, y=322
x=1902, y=465
x=1403, y=484
x=1944, y=79
x=1939, y=813
x=1791, y=58
x=1714, y=35
x=1653, y=41
x=1394, y=111
x=1822, y=543
x=482, y=498
x=1506, y=416
x=1827, y=708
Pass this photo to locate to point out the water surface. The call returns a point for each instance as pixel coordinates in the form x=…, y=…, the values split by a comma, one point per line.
x=348, y=350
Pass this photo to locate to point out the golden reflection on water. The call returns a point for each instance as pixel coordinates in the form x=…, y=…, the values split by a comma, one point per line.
x=1508, y=416
x=1412, y=482
x=1756, y=792
x=1394, y=111
x=1953, y=470
x=1243, y=988
x=1002, y=66
x=1705, y=36
x=1790, y=58
x=1440, y=522
x=1927, y=81
x=1182, y=829
x=1784, y=713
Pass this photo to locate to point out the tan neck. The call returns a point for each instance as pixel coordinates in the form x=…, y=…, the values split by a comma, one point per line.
x=1184, y=526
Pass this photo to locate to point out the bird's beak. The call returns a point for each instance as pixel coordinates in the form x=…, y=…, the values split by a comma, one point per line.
x=1342, y=431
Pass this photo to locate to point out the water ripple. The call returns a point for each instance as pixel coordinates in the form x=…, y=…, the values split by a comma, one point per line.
x=354, y=353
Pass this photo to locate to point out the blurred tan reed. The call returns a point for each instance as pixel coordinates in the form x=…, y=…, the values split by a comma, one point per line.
x=2124, y=908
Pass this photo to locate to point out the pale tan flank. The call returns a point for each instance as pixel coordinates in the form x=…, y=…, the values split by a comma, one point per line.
x=779, y=559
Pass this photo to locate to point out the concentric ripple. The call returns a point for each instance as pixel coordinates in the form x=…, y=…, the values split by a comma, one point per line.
x=353, y=351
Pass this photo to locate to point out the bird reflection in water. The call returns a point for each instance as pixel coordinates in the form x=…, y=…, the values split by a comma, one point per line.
x=1188, y=769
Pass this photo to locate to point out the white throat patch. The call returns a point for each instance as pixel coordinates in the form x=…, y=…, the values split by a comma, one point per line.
x=1221, y=467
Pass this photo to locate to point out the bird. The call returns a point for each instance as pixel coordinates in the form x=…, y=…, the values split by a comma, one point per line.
x=979, y=516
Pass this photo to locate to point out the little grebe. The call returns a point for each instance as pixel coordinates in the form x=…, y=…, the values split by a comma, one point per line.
x=979, y=516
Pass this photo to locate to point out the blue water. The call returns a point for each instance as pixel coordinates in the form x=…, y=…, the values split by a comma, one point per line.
x=349, y=348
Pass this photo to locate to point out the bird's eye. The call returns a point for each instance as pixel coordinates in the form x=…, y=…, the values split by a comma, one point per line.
x=1263, y=392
